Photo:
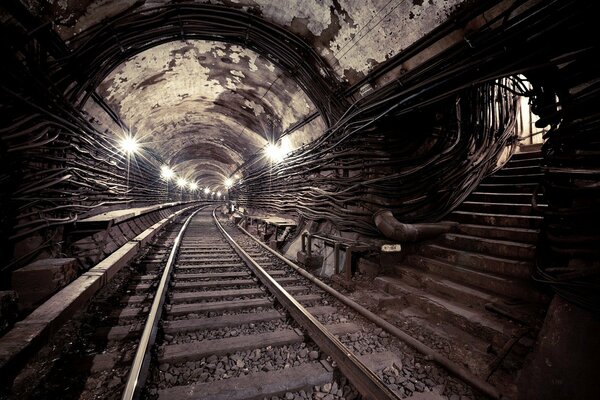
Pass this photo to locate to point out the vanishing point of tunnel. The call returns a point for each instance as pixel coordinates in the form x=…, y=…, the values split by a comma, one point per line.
x=299, y=199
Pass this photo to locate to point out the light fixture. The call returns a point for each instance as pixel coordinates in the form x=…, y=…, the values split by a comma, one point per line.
x=192, y=186
x=129, y=145
x=166, y=172
x=228, y=183
x=206, y=190
x=275, y=153
x=181, y=182
x=218, y=194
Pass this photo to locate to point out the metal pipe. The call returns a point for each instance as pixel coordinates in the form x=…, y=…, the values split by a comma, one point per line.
x=400, y=232
x=450, y=366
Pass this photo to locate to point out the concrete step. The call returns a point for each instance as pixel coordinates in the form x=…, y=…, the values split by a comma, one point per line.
x=523, y=162
x=459, y=346
x=530, y=147
x=514, y=178
x=504, y=220
x=501, y=208
x=509, y=170
x=256, y=385
x=496, y=232
x=512, y=198
x=477, y=261
x=476, y=322
x=493, y=247
x=505, y=187
x=436, y=284
x=513, y=288
x=522, y=155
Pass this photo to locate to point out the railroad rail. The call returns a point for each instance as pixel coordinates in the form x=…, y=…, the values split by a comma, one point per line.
x=211, y=283
x=206, y=311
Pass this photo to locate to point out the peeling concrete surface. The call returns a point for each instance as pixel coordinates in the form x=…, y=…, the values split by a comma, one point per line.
x=352, y=35
x=203, y=106
x=207, y=106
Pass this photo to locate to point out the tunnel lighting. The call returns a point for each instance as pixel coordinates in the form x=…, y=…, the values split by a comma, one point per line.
x=129, y=145
x=166, y=172
x=181, y=183
x=192, y=186
x=275, y=153
x=228, y=183
x=218, y=194
x=206, y=190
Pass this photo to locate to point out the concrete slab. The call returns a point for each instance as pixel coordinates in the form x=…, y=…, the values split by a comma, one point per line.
x=257, y=385
x=40, y=279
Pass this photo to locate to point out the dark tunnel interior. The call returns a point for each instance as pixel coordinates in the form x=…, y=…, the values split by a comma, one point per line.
x=435, y=162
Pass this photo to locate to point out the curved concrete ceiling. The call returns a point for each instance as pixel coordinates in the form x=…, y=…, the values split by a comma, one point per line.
x=353, y=36
x=207, y=107
x=203, y=107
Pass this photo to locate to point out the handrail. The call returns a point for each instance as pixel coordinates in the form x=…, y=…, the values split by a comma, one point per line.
x=137, y=374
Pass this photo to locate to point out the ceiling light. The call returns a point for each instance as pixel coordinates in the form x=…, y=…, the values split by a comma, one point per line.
x=275, y=153
x=166, y=172
x=192, y=186
x=129, y=145
x=228, y=183
x=181, y=182
x=206, y=190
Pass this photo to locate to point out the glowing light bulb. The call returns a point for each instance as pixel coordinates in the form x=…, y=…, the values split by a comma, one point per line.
x=129, y=145
x=166, y=172
x=181, y=182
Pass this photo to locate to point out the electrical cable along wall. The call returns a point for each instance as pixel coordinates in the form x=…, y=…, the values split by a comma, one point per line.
x=56, y=164
x=419, y=165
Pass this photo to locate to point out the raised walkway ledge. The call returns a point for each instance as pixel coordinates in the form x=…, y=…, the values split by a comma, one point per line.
x=28, y=335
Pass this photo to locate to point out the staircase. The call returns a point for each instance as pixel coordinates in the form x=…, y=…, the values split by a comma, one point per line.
x=472, y=287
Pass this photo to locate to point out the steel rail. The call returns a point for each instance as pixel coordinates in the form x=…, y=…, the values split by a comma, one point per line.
x=366, y=382
x=138, y=373
x=455, y=369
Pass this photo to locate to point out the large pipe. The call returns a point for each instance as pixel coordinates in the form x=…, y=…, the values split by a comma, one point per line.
x=393, y=229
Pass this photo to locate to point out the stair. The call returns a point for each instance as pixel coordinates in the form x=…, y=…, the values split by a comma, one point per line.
x=478, y=277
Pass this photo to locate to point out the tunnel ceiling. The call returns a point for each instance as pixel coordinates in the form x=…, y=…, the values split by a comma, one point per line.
x=204, y=107
x=207, y=107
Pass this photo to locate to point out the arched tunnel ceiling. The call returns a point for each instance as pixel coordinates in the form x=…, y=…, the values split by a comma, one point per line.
x=211, y=106
x=353, y=36
x=204, y=107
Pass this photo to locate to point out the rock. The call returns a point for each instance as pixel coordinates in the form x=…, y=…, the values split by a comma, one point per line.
x=289, y=396
x=410, y=386
x=114, y=382
x=455, y=397
x=163, y=367
x=327, y=387
x=313, y=355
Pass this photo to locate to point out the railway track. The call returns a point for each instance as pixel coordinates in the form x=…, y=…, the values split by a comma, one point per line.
x=221, y=327
x=201, y=313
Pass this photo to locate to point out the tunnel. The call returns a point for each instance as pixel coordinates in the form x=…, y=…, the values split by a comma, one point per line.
x=299, y=199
